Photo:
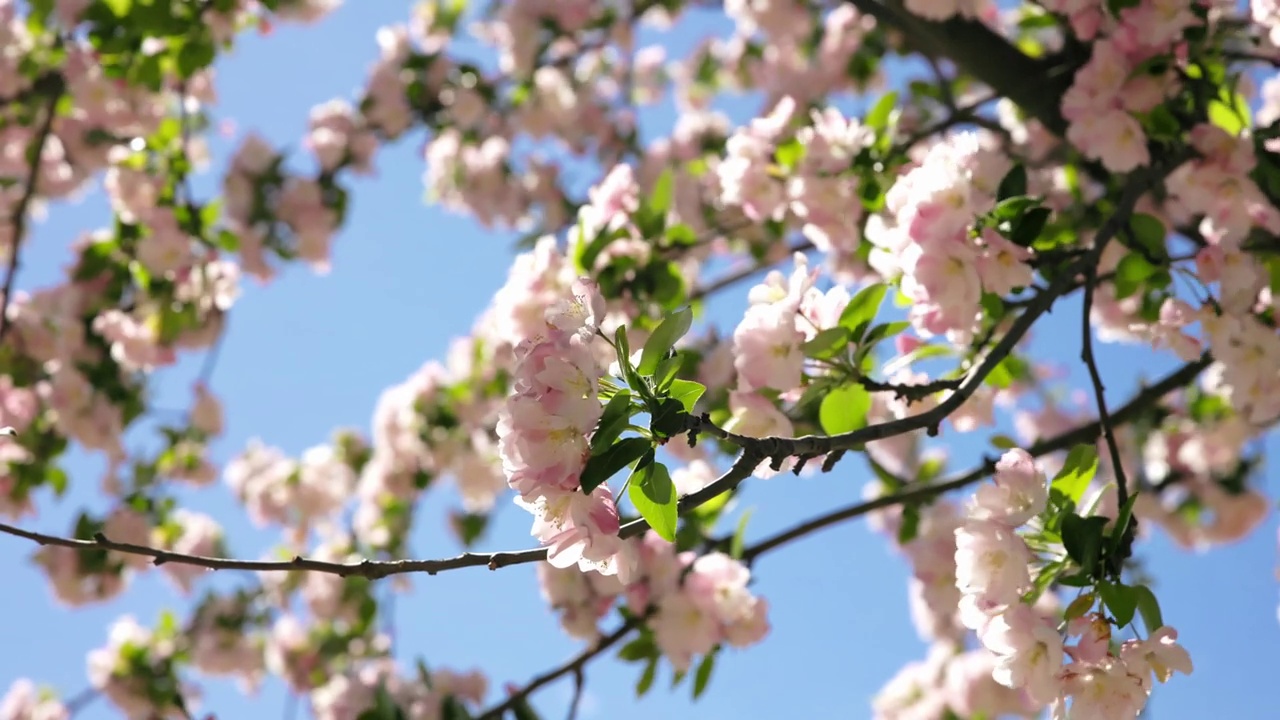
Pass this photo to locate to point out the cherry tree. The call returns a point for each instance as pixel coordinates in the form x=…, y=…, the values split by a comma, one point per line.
x=888, y=267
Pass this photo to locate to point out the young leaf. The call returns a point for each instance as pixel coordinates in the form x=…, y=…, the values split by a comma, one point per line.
x=862, y=309
x=1122, y=521
x=1148, y=607
x=878, y=117
x=1120, y=599
x=827, y=343
x=642, y=648
x=614, y=419
x=654, y=497
x=666, y=372
x=664, y=337
x=1079, y=606
x=884, y=331
x=1003, y=442
x=844, y=409
x=624, y=359
x=603, y=466
x=1149, y=232
x=646, y=677
x=660, y=200
x=703, y=674
x=1077, y=472
x=736, y=546
x=1027, y=229
x=524, y=711
x=1014, y=183
x=687, y=392
x=1082, y=537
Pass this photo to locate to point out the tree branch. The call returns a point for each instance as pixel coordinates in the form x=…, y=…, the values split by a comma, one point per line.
x=1138, y=404
x=574, y=665
x=1034, y=85
x=1099, y=394
x=737, y=276
x=19, y=217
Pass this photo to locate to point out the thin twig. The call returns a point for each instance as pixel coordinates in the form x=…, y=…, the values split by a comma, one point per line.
x=19, y=217
x=1099, y=394
x=81, y=700
x=579, y=683
x=737, y=276
x=573, y=665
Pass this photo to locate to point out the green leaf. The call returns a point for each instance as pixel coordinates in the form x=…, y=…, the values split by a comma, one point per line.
x=646, y=677
x=666, y=372
x=614, y=419
x=1148, y=232
x=1079, y=606
x=1132, y=271
x=384, y=707
x=470, y=526
x=642, y=648
x=1077, y=472
x=57, y=480
x=910, y=526
x=119, y=8
x=453, y=709
x=738, y=543
x=1232, y=116
x=789, y=154
x=1122, y=521
x=667, y=419
x=196, y=54
x=654, y=497
x=827, y=344
x=878, y=117
x=884, y=331
x=1013, y=208
x=862, y=309
x=524, y=711
x=1148, y=607
x=681, y=235
x=664, y=337
x=1014, y=183
x=1003, y=442
x=844, y=409
x=660, y=200
x=601, y=467
x=703, y=674
x=1082, y=537
x=687, y=392
x=624, y=360
x=1120, y=599
x=1027, y=229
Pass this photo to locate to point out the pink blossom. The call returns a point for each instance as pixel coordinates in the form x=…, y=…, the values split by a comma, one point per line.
x=1028, y=650
x=991, y=561
x=1018, y=494
x=25, y=701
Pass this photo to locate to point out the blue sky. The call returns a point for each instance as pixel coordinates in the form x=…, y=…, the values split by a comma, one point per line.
x=308, y=354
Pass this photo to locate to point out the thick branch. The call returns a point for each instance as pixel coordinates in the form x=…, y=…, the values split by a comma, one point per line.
x=1034, y=85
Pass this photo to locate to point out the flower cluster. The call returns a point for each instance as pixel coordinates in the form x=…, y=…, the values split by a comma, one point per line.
x=993, y=573
x=544, y=433
x=924, y=236
x=697, y=603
